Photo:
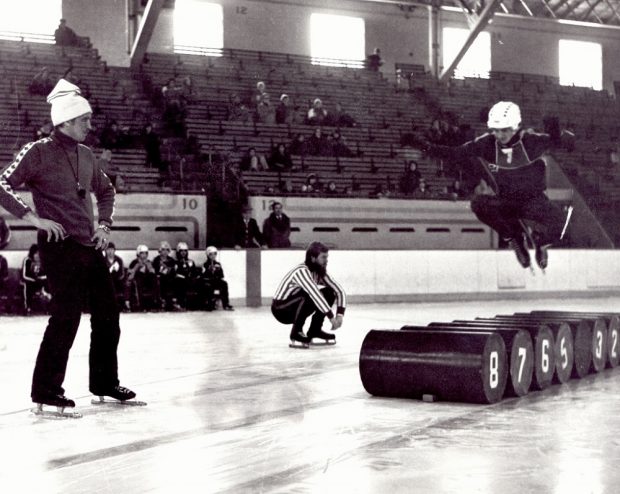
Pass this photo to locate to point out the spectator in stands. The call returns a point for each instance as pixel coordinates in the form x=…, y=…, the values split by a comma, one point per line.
x=259, y=92
x=317, y=114
x=105, y=163
x=4, y=278
x=339, y=145
x=318, y=144
x=313, y=184
x=5, y=233
x=142, y=291
x=286, y=186
x=373, y=61
x=164, y=265
x=285, y=111
x=117, y=271
x=41, y=83
x=174, y=107
x=423, y=191
x=246, y=233
x=483, y=189
x=299, y=145
x=265, y=111
x=280, y=159
x=45, y=130
x=113, y=136
x=253, y=161
x=212, y=276
x=65, y=36
x=277, y=228
x=381, y=190
x=184, y=275
x=331, y=188
x=34, y=280
x=152, y=146
x=456, y=190
x=339, y=118
x=410, y=180
x=237, y=111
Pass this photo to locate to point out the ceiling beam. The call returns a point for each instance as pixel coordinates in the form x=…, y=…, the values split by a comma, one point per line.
x=551, y=11
x=591, y=11
x=145, y=31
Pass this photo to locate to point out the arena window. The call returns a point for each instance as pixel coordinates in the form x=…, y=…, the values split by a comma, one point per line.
x=17, y=21
x=198, y=28
x=476, y=62
x=581, y=64
x=337, y=40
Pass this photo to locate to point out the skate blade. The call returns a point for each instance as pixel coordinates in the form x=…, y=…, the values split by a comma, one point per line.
x=58, y=414
x=102, y=400
x=323, y=343
x=298, y=344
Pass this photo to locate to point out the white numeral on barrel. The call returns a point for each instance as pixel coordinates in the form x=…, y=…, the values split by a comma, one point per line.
x=564, y=353
x=545, y=356
x=614, y=344
x=493, y=371
x=598, y=352
x=522, y=356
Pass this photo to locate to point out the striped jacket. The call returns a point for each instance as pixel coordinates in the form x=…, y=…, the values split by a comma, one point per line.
x=300, y=278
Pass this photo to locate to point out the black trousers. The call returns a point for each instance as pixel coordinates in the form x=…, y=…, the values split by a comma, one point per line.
x=503, y=215
x=221, y=285
x=297, y=308
x=75, y=271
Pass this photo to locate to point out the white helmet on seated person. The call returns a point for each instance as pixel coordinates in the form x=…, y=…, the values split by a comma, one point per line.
x=182, y=246
x=504, y=115
x=141, y=248
x=211, y=250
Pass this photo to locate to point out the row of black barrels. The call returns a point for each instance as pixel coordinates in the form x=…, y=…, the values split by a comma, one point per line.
x=486, y=359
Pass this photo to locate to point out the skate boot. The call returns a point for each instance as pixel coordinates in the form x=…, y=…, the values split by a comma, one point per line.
x=120, y=396
x=328, y=338
x=56, y=400
x=299, y=339
x=542, y=256
x=518, y=245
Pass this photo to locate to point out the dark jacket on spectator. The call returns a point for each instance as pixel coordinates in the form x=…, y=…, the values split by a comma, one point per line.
x=280, y=159
x=248, y=234
x=277, y=231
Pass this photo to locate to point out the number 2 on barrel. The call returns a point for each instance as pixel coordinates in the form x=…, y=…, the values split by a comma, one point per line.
x=522, y=355
x=614, y=344
x=493, y=374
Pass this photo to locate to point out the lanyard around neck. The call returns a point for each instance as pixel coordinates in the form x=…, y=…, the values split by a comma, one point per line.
x=76, y=174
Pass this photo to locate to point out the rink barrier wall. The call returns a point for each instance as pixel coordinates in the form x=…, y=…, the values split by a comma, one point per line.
x=409, y=276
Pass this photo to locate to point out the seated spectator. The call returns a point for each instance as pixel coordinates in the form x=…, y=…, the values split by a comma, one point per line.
x=5, y=233
x=299, y=145
x=483, y=189
x=456, y=190
x=339, y=145
x=381, y=191
x=212, y=277
x=277, y=228
x=65, y=36
x=265, y=111
x=113, y=136
x=331, y=188
x=252, y=161
x=34, y=281
x=339, y=118
x=164, y=266
x=185, y=276
x=410, y=180
x=373, y=61
x=285, y=111
x=4, y=278
x=317, y=114
x=41, y=83
x=280, y=159
x=45, y=130
x=286, y=186
x=246, y=232
x=237, y=111
x=318, y=144
x=423, y=191
x=117, y=271
x=105, y=164
x=269, y=190
x=313, y=184
x=142, y=291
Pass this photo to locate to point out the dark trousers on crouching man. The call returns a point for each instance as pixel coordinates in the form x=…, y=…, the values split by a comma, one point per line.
x=297, y=308
x=75, y=271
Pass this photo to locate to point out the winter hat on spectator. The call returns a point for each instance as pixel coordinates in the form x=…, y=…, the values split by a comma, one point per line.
x=283, y=97
x=67, y=102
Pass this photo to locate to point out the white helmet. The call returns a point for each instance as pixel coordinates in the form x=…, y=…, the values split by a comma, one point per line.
x=211, y=250
x=504, y=115
x=182, y=246
x=142, y=248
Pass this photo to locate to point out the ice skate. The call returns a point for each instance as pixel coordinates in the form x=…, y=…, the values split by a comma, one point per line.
x=60, y=402
x=542, y=256
x=299, y=339
x=327, y=338
x=118, y=395
x=518, y=245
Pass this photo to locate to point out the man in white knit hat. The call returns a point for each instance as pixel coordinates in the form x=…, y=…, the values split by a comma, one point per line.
x=61, y=174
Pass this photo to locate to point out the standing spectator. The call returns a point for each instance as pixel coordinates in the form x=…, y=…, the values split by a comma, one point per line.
x=212, y=276
x=259, y=92
x=265, y=111
x=373, y=61
x=164, y=265
x=34, y=280
x=317, y=114
x=142, y=289
x=277, y=228
x=237, y=111
x=70, y=246
x=285, y=112
x=247, y=234
x=117, y=272
x=185, y=275
x=252, y=161
x=280, y=159
x=65, y=36
x=410, y=180
x=152, y=146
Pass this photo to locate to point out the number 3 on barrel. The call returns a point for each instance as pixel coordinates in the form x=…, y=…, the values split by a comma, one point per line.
x=493, y=370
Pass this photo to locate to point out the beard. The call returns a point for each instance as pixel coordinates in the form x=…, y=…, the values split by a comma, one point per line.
x=317, y=268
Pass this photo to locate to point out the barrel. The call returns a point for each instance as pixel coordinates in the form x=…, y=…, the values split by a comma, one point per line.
x=463, y=366
x=598, y=340
x=612, y=319
x=519, y=353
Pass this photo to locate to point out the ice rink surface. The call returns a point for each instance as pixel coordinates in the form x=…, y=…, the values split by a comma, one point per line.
x=232, y=409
